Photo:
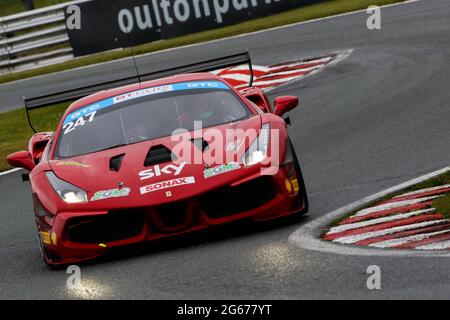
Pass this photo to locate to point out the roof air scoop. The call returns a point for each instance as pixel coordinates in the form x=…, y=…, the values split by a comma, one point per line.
x=157, y=155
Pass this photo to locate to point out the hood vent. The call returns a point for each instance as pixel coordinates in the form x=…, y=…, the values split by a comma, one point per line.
x=200, y=144
x=116, y=162
x=157, y=155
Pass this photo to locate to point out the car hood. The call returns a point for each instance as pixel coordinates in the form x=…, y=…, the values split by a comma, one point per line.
x=134, y=183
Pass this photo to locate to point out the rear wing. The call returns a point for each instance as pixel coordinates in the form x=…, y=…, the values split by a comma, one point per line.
x=47, y=100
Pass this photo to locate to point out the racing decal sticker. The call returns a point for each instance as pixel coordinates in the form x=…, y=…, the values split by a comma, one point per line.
x=73, y=164
x=87, y=114
x=167, y=184
x=81, y=121
x=45, y=236
x=295, y=185
x=211, y=172
x=157, y=170
x=288, y=185
x=112, y=193
x=142, y=93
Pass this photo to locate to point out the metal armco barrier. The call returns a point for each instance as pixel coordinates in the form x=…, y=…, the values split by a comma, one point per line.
x=25, y=38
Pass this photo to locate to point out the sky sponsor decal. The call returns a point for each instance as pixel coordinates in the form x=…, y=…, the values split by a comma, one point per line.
x=223, y=168
x=112, y=193
x=167, y=184
x=158, y=170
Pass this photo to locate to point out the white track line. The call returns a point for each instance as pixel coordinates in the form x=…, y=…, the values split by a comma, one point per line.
x=275, y=81
x=436, y=246
x=362, y=224
x=282, y=73
x=9, y=171
x=373, y=234
x=342, y=55
x=412, y=193
x=399, y=241
x=392, y=205
x=246, y=77
x=242, y=67
x=305, y=61
x=236, y=76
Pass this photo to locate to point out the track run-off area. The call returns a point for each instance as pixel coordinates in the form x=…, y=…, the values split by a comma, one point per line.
x=374, y=120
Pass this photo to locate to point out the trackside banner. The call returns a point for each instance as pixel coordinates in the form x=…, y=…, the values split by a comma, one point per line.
x=109, y=24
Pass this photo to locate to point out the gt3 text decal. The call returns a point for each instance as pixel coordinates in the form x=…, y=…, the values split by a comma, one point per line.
x=167, y=184
x=112, y=193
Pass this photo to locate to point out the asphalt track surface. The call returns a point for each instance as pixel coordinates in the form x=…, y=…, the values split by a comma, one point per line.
x=376, y=119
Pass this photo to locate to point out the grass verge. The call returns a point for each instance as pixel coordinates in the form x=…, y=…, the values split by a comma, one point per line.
x=442, y=205
x=320, y=10
x=8, y=7
x=15, y=132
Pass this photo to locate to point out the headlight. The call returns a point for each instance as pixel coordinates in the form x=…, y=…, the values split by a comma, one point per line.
x=257, y=151
x=66, y=191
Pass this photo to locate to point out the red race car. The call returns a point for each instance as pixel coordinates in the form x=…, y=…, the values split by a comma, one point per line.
x=152, y=156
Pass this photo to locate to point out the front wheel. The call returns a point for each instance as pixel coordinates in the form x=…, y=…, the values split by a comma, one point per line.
x=42, y=248
x=301, y=182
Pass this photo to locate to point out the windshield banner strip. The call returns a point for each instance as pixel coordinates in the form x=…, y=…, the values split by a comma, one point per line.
x=142, y=93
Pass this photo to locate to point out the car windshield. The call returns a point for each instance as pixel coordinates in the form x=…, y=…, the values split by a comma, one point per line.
x=148, y=114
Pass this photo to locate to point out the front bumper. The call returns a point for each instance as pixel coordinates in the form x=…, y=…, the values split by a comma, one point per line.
x=85, y=235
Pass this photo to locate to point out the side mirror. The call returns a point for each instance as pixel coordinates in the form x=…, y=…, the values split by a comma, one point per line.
x=37, y=144
x=21, y=159
x=284, y=104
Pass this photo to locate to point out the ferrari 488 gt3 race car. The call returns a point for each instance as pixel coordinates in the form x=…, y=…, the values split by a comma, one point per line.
x=147, y=159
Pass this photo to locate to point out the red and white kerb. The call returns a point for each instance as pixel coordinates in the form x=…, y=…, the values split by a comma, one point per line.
x=407, y=221
x=270, y=77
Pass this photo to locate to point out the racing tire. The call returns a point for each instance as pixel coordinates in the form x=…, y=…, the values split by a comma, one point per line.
x=300, y=179
x=44, y=254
